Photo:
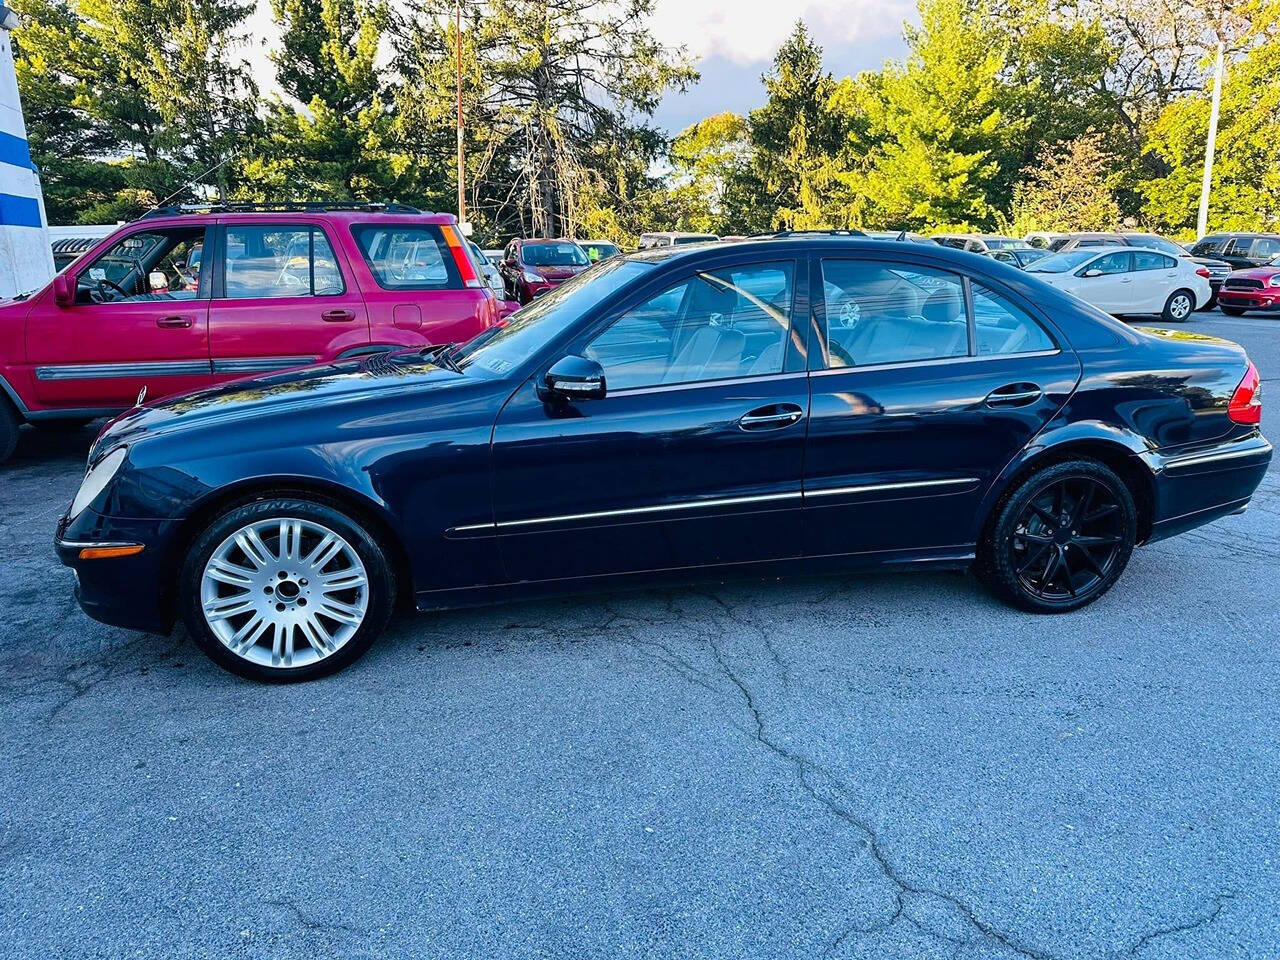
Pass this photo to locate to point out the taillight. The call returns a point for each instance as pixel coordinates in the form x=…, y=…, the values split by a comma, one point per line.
x=1203, y=272
x=457, y=247
x=1246, y=402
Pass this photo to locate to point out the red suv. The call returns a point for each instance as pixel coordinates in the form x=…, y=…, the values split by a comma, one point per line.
x=532, y=267
x=183, y=300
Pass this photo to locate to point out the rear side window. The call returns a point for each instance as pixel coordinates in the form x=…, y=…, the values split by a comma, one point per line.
x=1002, y=327
x=272, y=261
x=1142, y=260
x=407, y=256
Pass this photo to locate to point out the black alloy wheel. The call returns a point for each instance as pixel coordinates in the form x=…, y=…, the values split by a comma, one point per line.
x=1062, y=539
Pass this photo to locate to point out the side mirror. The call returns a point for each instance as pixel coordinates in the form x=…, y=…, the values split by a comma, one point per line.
x=573, y=378
x=64, y=290
x=1092, y=273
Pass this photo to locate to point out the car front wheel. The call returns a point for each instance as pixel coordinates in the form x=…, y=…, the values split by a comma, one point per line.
x=1061, y=539
x=285, y=590
x=1233, y=311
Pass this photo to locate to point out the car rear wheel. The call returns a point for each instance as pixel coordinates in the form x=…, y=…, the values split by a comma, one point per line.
x=1233, y=311
x=285, y=590
x=9, y=424
x=1061, y=539
x=1180, y=305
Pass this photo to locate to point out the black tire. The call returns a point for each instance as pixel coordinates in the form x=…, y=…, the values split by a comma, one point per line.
x=9, y=424
x=1209, y=304
x=1006, y=549
x=1179, y=307
x=374, y=556
x=1233, y=311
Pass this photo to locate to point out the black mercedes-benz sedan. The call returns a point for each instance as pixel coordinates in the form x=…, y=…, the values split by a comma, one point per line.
x=760, y=408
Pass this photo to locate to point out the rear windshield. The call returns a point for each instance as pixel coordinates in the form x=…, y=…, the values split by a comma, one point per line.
x=1152, y=242
x=700, y=238
x=407, y=256
x=1004, y=243
x=1062, y=262
x=553, y=255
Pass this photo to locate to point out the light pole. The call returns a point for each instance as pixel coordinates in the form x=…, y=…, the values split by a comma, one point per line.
x=457, y=50
x=1202, y=221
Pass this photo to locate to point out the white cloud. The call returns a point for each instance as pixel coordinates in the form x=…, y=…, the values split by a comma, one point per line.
x=750, y=31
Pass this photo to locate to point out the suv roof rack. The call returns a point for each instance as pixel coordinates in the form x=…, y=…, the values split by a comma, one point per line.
x=784, y=234
x=300, y=206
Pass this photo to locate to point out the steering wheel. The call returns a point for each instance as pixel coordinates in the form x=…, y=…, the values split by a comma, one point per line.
x=107, y=291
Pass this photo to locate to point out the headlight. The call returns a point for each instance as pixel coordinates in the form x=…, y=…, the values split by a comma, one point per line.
x=1274, y=281
x=96, y=480
x=532, y=277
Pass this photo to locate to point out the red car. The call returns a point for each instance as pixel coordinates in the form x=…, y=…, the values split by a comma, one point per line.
x=532, y=267
x=1254, y=288
x=178, y=301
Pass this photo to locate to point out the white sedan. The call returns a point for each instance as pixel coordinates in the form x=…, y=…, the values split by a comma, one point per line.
x=1123, y=280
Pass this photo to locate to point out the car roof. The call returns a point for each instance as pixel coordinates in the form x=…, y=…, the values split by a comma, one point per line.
x=196, y=217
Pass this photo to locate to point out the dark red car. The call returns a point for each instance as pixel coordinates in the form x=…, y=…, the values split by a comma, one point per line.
x=532, y=267
x=183, y=300
x=1254, y=288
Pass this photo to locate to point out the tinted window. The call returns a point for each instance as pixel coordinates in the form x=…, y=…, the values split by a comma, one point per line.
x=1143, y=260
x=1112, y=263
x=891, y=313
x=1156, y=243
x=1003, y=327
x=553, y=255
x=280, y=261
x=407, y=257
x=1265, y=247
x=712, y=326
x=1209, y=247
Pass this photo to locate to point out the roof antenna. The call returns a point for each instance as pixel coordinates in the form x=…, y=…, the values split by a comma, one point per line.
x=192, y=182
x=901, y=236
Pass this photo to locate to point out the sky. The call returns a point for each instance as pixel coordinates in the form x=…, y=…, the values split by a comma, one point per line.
x=733, y=42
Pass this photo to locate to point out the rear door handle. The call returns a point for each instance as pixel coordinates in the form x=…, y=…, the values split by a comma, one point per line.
x=175, y=322
x=771, y=417
x=337, y=316
x=1014, y=395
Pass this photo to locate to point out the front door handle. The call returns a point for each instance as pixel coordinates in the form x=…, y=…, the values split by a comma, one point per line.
x=771, y=417
x=175, y=322
x=338, y=316
x=1014, y=395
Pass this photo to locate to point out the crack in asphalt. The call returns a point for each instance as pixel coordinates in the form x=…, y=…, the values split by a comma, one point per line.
x=1186, y=926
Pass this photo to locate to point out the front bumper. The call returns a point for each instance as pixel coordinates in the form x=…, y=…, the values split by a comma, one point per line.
x=1194, y=487
x=1267, y=298
x=134, y=591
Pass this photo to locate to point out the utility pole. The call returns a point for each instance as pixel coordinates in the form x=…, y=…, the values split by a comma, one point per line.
x=457, y=49
x=1202, y=221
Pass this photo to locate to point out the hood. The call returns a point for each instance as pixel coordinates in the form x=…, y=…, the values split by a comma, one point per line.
x=1210, y=262
x=1255, y=273
x=329, y=383
x=559, y=273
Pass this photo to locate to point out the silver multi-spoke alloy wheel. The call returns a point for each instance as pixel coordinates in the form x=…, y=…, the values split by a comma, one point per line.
x=284, y=592
x=1180, y=306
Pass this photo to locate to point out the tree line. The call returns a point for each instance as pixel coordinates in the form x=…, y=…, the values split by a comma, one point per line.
x=1006, y=115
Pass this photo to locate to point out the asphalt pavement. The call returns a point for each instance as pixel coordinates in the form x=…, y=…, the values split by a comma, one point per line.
x=870, y=767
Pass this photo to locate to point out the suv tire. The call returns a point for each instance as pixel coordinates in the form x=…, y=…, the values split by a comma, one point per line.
x=9, y=424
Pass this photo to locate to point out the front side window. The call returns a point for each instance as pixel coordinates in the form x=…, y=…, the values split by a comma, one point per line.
x=1146, y=260
x=553, y=255
x=271, y=261
x=405, y=257
x=716, y=325
x=1112, y=263
x=892, y=313
x=1001, y=327
x=150, y=265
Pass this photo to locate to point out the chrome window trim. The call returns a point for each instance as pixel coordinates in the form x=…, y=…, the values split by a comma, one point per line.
x=260, y=364
x=716, y=502
x=933, y=361
x=108, y=371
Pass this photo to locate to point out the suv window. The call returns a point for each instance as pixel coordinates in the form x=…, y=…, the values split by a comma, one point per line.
x=1001, y=327
x=132, y=268
x=881, y=312
x=1209, y=247
x=715, y=325
x=1145, y=260
x=407, y=257
x=1266, y=247
x=273, y=260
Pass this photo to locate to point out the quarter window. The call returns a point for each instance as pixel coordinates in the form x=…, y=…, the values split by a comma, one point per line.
x=1001, y=327
x=892, y=313
x=280, y=261
x=715, y=325
x=407, y=257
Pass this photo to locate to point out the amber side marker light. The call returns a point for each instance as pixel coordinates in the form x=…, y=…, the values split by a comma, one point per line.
x=102, y=553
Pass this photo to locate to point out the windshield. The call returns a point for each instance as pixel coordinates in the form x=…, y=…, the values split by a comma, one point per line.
x=499, y=349
x=1004, y=243
x=695, y=238
x=553, y=255
x=1062, y=262
x=1152, y=242
x=600, y=251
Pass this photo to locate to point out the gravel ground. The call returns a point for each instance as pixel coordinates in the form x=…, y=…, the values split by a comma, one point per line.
x=877, y=766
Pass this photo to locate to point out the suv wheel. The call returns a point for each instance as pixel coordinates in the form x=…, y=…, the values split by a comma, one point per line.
x=9, y=424
x=1061, y=539
x=1180, y=305
x=1233, y=311
x=285, y=590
